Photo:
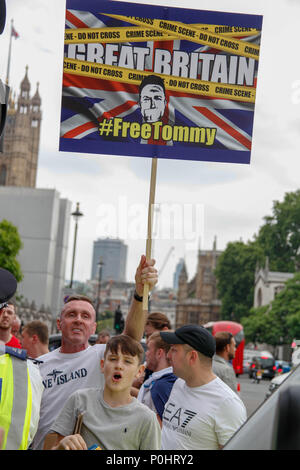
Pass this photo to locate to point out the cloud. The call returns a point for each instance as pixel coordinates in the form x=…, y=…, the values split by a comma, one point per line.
x=235, y=198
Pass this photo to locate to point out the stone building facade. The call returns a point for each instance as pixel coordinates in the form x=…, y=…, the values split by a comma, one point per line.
x=268, y=284
x=28, y=312
x=18, y=162
x=41, y=216
x=197, y=300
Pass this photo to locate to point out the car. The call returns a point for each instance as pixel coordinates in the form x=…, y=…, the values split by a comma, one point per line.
x=246, y=366
x=275, y=424
x=278, y=379
x=282, y=366
x=264, y=363
x=249, y=353
x=247, y=356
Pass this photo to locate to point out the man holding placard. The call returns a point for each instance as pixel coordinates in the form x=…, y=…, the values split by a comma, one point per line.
x=76, y=364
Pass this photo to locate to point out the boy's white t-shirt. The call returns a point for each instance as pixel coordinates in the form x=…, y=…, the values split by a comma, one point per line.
x=63, y=374
x=202, y=417
x=127, y=427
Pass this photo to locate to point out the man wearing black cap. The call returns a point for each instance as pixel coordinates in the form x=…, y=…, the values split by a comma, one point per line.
x=202, y=411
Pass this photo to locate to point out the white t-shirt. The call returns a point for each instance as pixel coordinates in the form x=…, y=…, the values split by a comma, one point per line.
x=62, y=375
x=144, y=395
x=127, y=427
x=201, y=417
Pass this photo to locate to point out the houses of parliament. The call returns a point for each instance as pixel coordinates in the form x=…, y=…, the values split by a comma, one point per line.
x=197, y=300
x=18, y=162
x=40, y=215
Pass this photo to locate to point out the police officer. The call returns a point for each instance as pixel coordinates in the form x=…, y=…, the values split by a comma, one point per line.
x=21, y=385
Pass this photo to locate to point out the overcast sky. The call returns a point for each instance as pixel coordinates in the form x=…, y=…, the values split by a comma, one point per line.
x=232, y=198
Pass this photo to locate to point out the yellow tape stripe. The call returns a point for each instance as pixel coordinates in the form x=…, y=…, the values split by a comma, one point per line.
x=7, y=399
x=225, y=30
x=186, y=85
x=190, y=33
x=137, y=34
x=123, y=34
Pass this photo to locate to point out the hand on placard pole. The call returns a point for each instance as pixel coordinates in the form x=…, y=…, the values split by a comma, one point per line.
x=150, y=223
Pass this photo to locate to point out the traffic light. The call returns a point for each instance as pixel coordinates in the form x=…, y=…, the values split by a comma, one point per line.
x=119, y=321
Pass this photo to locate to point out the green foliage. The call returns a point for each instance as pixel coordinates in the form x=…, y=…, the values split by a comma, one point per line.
x=105, y=324
x=260, y=326
x=235, y=276
x=279, y=240
x=106, y=315
x=278, y=323
x=10, y=245
x=106, y=321
x=279, y=237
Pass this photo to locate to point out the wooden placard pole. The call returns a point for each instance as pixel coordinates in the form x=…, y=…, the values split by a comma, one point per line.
x=150, y=224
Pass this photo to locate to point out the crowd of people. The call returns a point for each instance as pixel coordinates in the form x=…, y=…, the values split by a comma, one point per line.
x=179, y=395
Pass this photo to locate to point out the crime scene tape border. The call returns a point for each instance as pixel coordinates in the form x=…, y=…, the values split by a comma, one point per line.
x=186, y=85
x=137, y=34
x=189, y=33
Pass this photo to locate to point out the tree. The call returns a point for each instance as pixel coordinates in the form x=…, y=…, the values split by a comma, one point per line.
x=235, y=276
x=279, y=237
x=279, y=322
x=285, y=310
x=260, y=326
x=10, y=245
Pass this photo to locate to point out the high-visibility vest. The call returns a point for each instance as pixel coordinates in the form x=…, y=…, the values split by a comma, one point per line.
x=15, y=402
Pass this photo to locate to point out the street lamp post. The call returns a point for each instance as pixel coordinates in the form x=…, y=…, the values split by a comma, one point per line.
x=100, y=264
x=77, y=214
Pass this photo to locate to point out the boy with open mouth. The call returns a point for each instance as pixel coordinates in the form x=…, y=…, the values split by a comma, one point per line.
x=112, y=418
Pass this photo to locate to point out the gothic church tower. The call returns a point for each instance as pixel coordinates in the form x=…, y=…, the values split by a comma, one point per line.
x=18, y=162
x=197, y=300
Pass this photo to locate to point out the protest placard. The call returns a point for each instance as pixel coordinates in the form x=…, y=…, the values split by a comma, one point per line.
x=166, y=82
x=160, y=82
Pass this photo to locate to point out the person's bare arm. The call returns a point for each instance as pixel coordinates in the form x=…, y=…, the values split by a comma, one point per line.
x=2, y=434
x=55, y=441
x=134, y=392
x=135, y=321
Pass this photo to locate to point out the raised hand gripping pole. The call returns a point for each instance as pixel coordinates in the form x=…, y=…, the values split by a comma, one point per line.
x=150, y=224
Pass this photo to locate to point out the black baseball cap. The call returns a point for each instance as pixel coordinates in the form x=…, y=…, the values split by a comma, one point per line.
x=8, y=286
x=195, y=336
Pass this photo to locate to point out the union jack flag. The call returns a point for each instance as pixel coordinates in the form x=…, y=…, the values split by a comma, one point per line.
x=87, y=101
x=14, y=33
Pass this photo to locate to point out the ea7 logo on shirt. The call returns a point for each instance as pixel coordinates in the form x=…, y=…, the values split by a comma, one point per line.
x=57, y=377
x=177, y=418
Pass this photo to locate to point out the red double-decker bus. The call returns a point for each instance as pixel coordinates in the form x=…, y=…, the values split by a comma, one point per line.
x=237, y=331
